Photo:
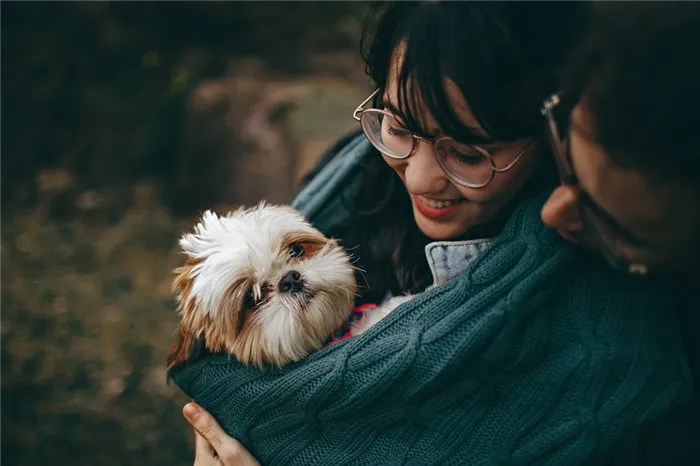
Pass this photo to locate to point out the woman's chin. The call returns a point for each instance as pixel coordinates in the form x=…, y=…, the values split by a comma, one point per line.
x=439, y=231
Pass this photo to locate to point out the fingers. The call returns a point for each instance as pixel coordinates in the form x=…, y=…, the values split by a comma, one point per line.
x=211, y=439
x=205, y=424
x=202, y=449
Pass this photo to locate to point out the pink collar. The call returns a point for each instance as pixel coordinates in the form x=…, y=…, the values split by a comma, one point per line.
x=355, y=316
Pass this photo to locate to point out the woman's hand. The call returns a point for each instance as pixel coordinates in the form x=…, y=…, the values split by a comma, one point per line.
x=213, y=446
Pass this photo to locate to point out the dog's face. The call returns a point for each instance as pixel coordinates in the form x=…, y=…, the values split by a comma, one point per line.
x=260, y=284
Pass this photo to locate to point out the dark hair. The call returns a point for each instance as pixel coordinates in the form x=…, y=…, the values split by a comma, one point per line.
x=502, y=56
x=637, y=72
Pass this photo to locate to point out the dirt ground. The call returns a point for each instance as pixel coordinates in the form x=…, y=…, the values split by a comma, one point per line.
x=87, y=320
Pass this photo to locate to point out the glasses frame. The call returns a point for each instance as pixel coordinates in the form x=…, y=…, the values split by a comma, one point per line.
x=599, y=234
x=360, y=111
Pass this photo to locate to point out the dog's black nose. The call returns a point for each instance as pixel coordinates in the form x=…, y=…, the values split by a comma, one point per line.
x=291, y=282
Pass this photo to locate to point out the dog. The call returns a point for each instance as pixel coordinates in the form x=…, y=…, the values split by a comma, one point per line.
x=263, y=285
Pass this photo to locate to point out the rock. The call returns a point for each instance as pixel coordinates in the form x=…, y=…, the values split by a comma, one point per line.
x=238, y=148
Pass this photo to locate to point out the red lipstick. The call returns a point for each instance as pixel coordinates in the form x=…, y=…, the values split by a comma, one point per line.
x=434, y=212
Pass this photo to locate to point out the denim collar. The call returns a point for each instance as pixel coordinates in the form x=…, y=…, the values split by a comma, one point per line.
x=447, y=259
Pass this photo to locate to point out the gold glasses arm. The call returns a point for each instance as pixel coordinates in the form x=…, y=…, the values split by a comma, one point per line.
x=358, y=110
x=527, y=147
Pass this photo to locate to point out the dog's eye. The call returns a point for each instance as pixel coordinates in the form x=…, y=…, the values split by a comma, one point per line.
x=296, y=250
x=249, y=300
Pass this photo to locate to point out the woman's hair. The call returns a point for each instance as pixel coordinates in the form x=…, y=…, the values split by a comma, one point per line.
x=502, y=56
x=638, y=72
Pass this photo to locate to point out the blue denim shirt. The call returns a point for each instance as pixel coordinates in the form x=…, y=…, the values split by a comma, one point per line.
x=447, y=259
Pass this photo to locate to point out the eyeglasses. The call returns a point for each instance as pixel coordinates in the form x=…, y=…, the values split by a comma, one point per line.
x=469, y=165
x=600, y=233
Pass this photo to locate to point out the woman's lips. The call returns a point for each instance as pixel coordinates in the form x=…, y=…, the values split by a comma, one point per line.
x=436, y=209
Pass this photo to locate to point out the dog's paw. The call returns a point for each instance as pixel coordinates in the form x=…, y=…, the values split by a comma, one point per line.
x=392, y=303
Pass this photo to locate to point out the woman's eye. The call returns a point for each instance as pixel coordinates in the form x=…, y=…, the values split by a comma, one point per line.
x=296, y=250
x=469, y=159
x=396, y=132
x=465, y=157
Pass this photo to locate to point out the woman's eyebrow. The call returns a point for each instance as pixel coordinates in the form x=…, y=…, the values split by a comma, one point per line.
x=474, y=134
x=392, y=108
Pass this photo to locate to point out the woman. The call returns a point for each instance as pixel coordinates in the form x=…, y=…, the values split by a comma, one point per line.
x=527, y=351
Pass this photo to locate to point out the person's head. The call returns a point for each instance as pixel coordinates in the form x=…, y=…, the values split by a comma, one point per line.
x=475, y=72
x=466, y=78
x=627, y=120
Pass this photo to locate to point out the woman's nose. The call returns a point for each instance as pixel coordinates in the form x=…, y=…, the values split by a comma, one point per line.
x=423, y=173
x=561, y=211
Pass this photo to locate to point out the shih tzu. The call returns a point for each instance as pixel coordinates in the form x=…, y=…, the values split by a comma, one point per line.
x=264, y=286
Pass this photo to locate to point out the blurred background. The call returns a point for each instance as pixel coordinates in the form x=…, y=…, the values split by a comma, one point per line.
x=120, y=122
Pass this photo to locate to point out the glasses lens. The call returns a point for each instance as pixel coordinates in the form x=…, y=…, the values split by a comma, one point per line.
x=386, y=134
x=468, y=163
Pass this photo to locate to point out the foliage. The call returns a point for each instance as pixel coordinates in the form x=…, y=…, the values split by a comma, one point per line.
x=101, y=88
x=95, y=100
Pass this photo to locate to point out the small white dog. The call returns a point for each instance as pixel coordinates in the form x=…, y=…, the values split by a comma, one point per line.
x=263, y=285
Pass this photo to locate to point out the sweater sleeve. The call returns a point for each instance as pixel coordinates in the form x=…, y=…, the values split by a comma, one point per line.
x=535, y=355
x=325, y=158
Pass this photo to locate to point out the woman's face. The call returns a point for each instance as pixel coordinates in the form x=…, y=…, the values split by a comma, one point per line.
x=444, y=209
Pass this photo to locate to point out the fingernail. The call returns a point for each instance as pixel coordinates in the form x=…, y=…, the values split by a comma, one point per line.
x=191, y=411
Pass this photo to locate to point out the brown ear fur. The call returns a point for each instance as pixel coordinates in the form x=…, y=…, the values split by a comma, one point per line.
x=187, y=346
x=183, y=281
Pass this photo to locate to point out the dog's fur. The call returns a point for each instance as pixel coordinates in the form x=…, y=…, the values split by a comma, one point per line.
x=233, y=295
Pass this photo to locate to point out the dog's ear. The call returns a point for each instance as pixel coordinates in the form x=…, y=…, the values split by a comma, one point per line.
x=183, y=281
x=187, y=347
x=187, y=344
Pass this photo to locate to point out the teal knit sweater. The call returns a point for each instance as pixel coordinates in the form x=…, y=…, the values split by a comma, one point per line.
x=535, y=354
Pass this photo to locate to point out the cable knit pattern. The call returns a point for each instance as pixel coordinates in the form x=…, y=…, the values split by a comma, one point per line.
x=534, y=355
